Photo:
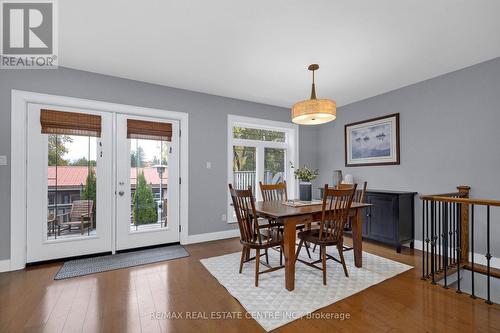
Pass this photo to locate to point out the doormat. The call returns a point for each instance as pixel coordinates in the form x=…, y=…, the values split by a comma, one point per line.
x=87, y=266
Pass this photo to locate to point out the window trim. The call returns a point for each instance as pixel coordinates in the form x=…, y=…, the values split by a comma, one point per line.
x=291, y=145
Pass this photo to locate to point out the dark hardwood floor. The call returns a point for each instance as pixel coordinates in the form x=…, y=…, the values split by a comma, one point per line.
x=123, y=300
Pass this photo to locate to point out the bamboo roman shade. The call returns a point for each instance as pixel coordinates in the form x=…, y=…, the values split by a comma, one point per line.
x=148, y=130
x=70, y=123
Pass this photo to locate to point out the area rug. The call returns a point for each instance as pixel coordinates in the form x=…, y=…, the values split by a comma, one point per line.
x=272, y=306
x=80, y=267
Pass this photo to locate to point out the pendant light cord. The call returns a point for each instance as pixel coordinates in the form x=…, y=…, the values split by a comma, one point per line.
x=313, y=90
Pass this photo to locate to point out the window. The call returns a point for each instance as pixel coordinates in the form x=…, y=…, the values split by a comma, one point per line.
x=260, y=151
x=258, y=134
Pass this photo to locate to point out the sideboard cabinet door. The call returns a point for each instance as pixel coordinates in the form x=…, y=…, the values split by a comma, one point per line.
x=383, y=217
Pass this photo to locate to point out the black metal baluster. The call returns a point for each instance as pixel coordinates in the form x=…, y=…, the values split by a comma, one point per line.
x=459, y=243
x=423, y=235
x=473, y=295
x=449, y=248
x=427, y=240
x=433, y=239
x=453, y=231
x=488, y=255
x=456, y=232
x=439, y=221
x=445, y=244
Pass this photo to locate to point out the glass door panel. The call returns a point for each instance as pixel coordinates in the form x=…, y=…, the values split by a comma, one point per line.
x=71, y=186
x=244, y=167
x=149, y=184
x=274, y=165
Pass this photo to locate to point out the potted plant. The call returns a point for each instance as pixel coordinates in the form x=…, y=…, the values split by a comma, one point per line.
x=305, y=175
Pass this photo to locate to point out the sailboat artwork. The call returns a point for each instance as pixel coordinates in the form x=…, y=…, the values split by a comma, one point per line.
x=373, y=142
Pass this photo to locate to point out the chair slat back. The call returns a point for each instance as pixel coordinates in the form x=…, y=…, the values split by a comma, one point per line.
x=359, y=195
x=244, y=207
x=272, y=192
x=81, y=207
x=335, y=212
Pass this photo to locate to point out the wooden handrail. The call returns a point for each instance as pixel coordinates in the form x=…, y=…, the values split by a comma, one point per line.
x=453, y=194
x=480, y=202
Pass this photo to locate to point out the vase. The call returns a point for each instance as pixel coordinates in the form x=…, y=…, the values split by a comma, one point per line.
x=305, y=191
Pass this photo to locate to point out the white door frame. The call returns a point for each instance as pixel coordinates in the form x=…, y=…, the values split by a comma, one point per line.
x=19, y=109
x=125, y=238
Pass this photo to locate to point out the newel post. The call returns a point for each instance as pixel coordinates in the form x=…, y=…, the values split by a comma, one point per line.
x=464, y=230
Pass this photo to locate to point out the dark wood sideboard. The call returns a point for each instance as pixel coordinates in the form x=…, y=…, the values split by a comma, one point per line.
x=391, y=219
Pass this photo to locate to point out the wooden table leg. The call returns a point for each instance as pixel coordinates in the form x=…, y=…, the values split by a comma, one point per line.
x=289, y=245
x=357, y=239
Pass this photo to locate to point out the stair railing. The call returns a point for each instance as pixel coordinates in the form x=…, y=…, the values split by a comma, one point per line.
x=446, y=232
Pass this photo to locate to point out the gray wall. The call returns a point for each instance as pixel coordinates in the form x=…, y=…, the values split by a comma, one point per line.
x=449, y=136
x=207, y=128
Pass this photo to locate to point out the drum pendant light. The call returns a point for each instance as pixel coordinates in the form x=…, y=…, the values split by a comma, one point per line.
x=314, y=111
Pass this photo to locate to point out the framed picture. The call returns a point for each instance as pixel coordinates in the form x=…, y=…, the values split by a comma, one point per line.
x=372, y=142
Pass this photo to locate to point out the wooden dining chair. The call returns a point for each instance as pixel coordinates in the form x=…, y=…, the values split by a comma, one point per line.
x=335, y=212
x=272, y=192
x=250, y=232
x=278, y=191
x=359, y=196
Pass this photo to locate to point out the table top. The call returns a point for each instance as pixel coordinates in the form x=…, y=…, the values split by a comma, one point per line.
x=277, y=209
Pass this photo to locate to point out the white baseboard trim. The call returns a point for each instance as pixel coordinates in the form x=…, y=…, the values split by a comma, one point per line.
x=479, y=259
x=4, y=265
x=211, y=236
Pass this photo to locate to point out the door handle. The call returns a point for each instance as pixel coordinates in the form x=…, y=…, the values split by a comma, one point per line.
x=121, y=193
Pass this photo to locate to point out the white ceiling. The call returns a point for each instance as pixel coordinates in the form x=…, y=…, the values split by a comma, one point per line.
x=258, y=50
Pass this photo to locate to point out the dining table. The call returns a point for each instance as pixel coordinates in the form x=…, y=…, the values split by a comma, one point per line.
x=291, y=216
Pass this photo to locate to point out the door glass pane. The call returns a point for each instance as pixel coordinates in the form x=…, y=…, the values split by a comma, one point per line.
x=244, y=167
x=258, y=134
x=71, y=190
x=274, y=165
x=149, y=184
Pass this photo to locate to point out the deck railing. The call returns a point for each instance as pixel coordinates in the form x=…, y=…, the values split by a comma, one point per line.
x=243, y=179
x=448, y=222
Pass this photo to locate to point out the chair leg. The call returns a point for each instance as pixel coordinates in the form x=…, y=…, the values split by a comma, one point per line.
x=247, y=253
x=298, y=250
x=257, y=261
x=281, y=255
x=307, y=249
x=341, y=254
x=314, y=248
x=243, y=251
x=267, y=257
x=323, y=260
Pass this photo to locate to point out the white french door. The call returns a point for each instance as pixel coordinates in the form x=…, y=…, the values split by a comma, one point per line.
x=147, y=177
x=94, y=193
x=59, y=168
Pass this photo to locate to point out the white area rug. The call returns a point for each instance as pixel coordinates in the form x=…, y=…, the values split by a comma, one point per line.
x=272, y=306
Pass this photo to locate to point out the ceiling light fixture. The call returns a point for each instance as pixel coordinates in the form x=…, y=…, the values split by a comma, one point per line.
x=314, y=111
